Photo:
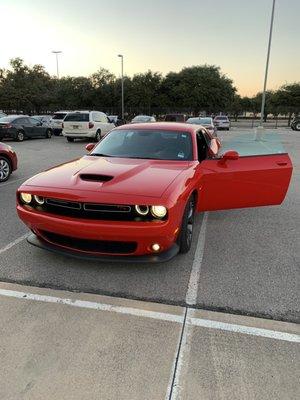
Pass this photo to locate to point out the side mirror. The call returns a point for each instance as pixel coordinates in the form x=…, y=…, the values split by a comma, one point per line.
x=230, y=155
x=89, y=147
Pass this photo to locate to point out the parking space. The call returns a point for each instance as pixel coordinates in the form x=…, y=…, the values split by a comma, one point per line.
x=63, y=345
x=248, y=264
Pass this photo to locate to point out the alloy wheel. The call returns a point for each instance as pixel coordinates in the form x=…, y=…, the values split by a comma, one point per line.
x=4, y=169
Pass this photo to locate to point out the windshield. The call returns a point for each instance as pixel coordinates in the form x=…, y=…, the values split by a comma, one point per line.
x=59, y=116
x=222, y=118
x=142, y=118
x=78, y=117
x=148, y=144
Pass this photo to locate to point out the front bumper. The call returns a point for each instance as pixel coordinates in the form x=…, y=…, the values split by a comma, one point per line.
x=143, y=234
x=151, y=258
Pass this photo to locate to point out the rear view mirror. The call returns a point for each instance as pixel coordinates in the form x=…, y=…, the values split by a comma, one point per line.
x=89, y=147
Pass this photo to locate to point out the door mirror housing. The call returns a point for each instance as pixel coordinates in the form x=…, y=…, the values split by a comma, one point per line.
x=89, y=147
x=230, y=155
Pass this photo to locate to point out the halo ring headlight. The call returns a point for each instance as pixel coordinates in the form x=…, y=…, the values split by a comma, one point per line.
x=26, y=197
x=142, y=210
x=158, y=211
x=39, y=199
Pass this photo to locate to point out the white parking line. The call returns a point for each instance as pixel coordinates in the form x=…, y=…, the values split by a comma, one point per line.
x=247, y=330
x=11, y=244
x=191, y=295
x=93, y=305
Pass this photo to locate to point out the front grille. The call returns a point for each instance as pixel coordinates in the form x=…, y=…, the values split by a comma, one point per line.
x=95, y=211
x=90, y=246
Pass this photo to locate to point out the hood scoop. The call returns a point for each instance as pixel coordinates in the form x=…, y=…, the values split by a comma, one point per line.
x=95, y=177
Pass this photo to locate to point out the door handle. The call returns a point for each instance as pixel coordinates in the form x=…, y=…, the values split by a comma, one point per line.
x=281, y=163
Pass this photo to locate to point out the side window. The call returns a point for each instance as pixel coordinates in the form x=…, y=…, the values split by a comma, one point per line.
x=202, y=145
x=34, y=121
x=103, y=118
x=21, y=121
x=95, y=117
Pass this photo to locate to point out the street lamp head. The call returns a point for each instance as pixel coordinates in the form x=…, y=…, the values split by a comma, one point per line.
x=56, y=51
x=120, y=55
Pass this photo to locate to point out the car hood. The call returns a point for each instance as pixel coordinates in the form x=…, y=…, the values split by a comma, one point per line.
x=112, y=175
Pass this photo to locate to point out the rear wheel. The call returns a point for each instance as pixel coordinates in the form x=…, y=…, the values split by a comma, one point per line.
x=98, y=136
x=70, y=139
x=297, y=126
x=186, y=233
x=5, y=169
x=20, y=136
x=48, y=134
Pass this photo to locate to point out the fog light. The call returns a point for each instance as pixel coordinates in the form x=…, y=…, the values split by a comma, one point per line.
x=39, y=199
x=155, y=247
x=26, y=197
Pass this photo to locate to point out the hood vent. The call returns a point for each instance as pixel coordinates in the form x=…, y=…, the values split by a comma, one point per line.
x=95, y=178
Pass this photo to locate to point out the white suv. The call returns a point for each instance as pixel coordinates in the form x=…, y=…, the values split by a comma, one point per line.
x=86, y=124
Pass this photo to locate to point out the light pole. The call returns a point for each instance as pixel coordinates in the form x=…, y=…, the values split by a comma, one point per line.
x=57, y=52
x=122, y=80
x=263, y=100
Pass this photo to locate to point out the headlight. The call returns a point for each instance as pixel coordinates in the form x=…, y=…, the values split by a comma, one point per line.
x=26, y=197
x=142, y=210
x=39, y=199
x=158, y=211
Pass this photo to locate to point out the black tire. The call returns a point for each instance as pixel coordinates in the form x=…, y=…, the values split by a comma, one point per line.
x=56, y=133
x=70, y=139
x=20, y=136
x=297, y=126
x=5, y=168
x=186, y=233
x=48, y=134
x=98, y=135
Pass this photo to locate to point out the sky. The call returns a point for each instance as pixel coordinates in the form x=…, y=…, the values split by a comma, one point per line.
x=161, y=35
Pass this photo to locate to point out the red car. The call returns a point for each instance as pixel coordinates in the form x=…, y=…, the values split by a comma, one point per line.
x=8, y=161
x=134, y=195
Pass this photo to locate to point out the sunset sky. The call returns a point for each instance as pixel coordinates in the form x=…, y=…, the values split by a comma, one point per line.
x=161, y=35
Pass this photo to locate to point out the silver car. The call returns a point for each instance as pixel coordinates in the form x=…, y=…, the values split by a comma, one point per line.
x=139, y=119
x=222, y=122
x=207, y=122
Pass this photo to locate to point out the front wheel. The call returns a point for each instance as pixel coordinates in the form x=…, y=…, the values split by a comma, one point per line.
x=5, y=169
x=48, y=134
x=70, y=139
x=20, y=136
x=297, y=126
x=98, y=136
x=186, y=233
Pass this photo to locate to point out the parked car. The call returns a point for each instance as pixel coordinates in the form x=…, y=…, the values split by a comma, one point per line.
x=44, y=119
x=19, y=127
x=175, y=118
x=207, y=122
x=116, y=120
x=134, y=195
x=86, y=124
x=56, y=122
x=2, y=114
x=222, y=122
x=139, y=119
x=295, y=124
x=8, y=161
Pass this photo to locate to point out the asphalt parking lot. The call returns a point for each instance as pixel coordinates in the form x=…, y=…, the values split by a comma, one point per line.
x=243, y=262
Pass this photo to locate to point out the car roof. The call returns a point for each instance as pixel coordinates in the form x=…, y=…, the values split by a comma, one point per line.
x=165, y=126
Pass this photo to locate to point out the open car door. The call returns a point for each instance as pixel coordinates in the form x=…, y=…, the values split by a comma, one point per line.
x=250, y=173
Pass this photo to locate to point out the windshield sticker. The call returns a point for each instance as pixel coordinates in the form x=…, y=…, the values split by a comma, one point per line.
x=180, y=154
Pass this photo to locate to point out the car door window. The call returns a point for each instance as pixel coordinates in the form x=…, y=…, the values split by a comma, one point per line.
x=34, y=122
x=104, y=119
x=202, y=145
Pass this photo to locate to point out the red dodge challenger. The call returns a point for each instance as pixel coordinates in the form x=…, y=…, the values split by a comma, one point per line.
x=134, y=196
